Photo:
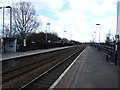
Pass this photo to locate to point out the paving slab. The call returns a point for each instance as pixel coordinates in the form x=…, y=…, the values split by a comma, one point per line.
x=91, y=70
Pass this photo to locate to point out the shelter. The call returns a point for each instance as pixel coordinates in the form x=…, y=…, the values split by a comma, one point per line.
x=9, y=44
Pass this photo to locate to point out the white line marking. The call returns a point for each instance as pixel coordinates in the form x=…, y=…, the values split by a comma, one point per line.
x=62, y=75
x=74, y=81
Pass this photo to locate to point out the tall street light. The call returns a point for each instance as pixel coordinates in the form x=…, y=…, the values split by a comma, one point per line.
x=3, y=23
x=117, y=36
x=3, y=20
x=92, y=38
x=4, y=17
x=46, y=32
x=10, y=18
x=71, y=36
x=99, y=35
x=64, y=34
x=95, y=37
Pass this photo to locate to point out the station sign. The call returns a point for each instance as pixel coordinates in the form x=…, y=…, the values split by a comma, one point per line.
x=24, y=42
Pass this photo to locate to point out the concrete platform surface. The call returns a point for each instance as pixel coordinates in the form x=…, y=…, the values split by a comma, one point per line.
x=90, y=71
x=9, y=55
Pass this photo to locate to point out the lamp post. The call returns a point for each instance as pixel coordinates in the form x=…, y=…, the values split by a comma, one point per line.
x=71, y=36
x=3, y=23
x=64, y=37
x=92, y=38
x=95, y=37
x=117, y=36
x=64, y=34
x=4, y=18
x=10, y=18
x=99, y=35
x=46, y=32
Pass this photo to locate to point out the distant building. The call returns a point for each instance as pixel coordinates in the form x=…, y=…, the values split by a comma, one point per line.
x=9, y=44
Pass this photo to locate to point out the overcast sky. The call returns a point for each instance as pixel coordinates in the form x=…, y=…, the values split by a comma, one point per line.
x=77, y=17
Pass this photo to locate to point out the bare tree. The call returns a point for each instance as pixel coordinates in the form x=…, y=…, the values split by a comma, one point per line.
x=24, y=19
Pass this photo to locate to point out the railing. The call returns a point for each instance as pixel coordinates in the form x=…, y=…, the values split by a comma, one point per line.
x=109, y=49
x=36, y=46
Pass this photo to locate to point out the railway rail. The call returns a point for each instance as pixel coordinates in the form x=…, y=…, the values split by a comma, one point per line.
x=21, y=77
x=46, y=79
x=10, y=74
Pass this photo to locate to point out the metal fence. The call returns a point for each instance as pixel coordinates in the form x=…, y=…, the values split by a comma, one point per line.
x=112, y=55
x=36, y=46
x=109, y=49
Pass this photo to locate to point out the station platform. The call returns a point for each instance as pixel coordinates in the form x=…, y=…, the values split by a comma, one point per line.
x=90, y=70
x=9, y=55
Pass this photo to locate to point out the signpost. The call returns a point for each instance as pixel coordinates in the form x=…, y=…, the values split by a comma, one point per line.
x=118, y=19
x=117, y=32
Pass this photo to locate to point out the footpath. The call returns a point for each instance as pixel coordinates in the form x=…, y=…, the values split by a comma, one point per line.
x=91, y=70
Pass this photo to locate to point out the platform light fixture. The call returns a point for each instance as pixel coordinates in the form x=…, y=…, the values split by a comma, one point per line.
x=4, y=17
x=46, y=32
x=99, y=34
x=3, y=22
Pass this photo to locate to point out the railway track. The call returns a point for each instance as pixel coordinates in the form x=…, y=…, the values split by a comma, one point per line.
x=26, y=74
x=11, y=74
x=46, y=79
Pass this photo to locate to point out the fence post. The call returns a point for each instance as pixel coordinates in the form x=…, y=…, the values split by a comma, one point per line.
x=115, y=57
x=115, y=50
x=118, y=54
x=107, y=57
